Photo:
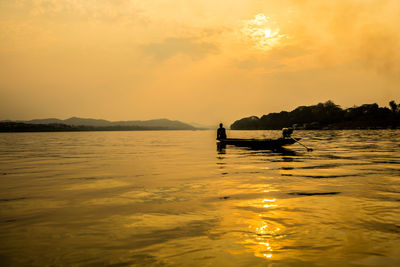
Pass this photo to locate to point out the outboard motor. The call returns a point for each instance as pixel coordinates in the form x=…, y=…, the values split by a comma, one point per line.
x=287, y=132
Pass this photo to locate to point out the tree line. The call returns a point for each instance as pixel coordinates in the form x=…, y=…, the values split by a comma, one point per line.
x=326, y=115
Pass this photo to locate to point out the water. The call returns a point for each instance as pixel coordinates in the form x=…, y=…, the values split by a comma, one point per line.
x=169, y=198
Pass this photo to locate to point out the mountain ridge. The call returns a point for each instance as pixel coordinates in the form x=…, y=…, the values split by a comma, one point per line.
x=88, y=124
x=76, y=121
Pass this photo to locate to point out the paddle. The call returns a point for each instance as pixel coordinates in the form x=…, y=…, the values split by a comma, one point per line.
x=308, y=148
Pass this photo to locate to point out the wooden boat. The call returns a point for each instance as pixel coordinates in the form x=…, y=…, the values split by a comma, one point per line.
x=258, y=143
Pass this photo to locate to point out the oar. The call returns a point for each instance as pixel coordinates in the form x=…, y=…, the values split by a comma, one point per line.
x=308, y=148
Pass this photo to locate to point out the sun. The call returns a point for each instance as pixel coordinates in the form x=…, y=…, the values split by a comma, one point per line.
x=262, y=32
x=268, y=33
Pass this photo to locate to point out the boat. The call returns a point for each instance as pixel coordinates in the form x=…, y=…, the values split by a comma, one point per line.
x=273, y=144
x=259, y=143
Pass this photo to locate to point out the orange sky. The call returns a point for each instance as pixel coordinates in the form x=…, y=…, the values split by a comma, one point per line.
x=196, y=60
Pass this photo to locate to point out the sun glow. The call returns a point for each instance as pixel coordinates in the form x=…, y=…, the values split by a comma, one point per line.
x=262, y=32
x=268, y=33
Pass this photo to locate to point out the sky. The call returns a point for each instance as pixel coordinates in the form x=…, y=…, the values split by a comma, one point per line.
x=194, y=60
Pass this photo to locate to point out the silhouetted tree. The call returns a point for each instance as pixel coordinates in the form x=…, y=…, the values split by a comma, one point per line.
x=394, y=106
x=326, y=115
x=250, y=123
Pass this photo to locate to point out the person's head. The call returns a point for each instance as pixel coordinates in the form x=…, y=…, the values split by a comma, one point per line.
x=220, y=125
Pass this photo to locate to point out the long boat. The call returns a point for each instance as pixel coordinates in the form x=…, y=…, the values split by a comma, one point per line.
x=258, y=143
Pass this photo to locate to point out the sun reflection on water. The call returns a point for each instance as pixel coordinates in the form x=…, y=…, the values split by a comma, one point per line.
x=263, y=233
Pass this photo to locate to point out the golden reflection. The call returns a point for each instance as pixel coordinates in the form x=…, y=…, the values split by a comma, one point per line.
x=269, y=200
x=269, y=189
x=265, y=203
x=269, y=205
x=262, y=232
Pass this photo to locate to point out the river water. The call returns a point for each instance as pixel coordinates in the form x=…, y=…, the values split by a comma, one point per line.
x=169, y=198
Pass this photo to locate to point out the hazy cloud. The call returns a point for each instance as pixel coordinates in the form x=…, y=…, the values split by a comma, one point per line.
x=191, y=47
x=257, y=63
x=344, y=31
x=277, y=59
x=101, y=9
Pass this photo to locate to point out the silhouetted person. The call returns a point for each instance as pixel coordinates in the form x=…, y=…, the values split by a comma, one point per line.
x=221, y=133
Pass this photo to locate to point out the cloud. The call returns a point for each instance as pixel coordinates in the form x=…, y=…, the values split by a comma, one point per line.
x=343, y=31
x=324, y=34
x=189, y=46
x=257, y=63
x=102, y=9
x=277, y=59
x=379, y=49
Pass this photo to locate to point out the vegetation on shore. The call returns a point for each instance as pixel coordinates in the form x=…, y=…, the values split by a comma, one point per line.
x=326, y=115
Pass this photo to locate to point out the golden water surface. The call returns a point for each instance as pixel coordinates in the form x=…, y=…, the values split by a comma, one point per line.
x=170, y=198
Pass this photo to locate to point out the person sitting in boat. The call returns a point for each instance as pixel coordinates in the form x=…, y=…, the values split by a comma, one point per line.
x=287, y=132
x=221, y=133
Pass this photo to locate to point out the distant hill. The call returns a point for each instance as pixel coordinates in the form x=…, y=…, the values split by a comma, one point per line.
x=326, y=115
x=75, y=121
x=202, y=126
x=85, y=124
